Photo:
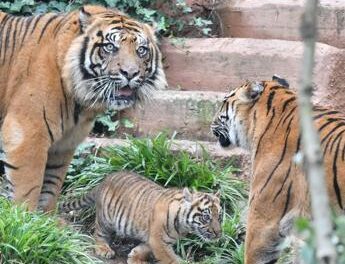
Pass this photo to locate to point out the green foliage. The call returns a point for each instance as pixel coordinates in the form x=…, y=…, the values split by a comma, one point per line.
x=155, y=159
x=228, y=249
x=307, y=248
x=35, y=238
x=169, y=17
x=106, y=124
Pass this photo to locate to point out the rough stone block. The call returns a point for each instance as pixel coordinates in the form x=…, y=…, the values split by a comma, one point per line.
x=272, y=19
x=188, y=113
x=223, y=64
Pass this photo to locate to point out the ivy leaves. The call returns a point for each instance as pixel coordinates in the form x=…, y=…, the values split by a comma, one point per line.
x=168, y=21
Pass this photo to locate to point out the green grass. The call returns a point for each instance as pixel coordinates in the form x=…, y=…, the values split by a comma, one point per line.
x=229, y=249
x=154, y=159
x=36, y=238
x=307, y=250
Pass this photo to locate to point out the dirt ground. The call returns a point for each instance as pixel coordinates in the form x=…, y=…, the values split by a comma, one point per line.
x=122, y=247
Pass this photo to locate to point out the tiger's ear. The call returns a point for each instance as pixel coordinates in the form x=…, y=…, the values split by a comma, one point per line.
x=280, y=80
x=151, y=30
x=187, y=195
x=84, y=19
x=251, y=91
x=217, y=194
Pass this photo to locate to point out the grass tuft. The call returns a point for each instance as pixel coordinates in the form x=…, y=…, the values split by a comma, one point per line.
x=36, y=238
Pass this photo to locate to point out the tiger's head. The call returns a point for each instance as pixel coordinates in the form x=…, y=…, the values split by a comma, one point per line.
x=234, y=120
x=114, y=61
x=203, y=214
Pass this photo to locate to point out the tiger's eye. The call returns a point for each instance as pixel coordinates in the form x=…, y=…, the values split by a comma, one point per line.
x=109, y=47
x=142, y=51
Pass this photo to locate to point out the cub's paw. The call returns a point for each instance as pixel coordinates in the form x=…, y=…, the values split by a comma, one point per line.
x=137, y=256
x=104, y=251
x=131, y=260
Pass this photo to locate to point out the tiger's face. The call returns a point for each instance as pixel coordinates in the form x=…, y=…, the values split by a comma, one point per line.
x=230, y=123
x=204, y=216
x=115, y=61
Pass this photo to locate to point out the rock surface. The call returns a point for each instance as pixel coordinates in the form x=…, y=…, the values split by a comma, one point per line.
x=272, y=19
x=222, y=64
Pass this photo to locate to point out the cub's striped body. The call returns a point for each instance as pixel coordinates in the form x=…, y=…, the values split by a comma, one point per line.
x=132, y=206
x=263, y=118
x=57, y=72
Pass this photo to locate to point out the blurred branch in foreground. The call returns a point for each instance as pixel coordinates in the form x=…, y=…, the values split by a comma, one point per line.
x=321, y=213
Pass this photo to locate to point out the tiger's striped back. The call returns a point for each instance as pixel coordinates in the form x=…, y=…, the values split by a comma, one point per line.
x=27, y=34
x=127, y=201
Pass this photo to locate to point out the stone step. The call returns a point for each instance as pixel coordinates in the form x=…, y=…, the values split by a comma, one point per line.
x=239, y=157
x=188, y=113
x=221, y=64
x=272, y=19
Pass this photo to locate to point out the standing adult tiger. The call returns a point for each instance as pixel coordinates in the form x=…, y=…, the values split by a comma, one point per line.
x=263, y=118
x=57, y=72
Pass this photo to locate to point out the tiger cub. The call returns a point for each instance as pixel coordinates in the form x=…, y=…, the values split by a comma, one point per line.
x=130, y=205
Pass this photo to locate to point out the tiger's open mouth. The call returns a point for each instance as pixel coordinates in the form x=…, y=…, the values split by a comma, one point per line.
x=121, y=98
x=123, y=94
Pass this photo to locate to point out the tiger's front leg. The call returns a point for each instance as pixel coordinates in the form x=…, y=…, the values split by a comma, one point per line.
x=161, y=250
x=262, y=238
x=26, y=150
x=54, y=176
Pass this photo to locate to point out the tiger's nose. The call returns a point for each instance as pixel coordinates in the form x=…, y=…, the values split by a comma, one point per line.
x=129, y=73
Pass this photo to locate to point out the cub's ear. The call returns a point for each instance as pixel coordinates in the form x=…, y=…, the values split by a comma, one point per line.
x=187, y=195
x=217, y=194
x=84, y=19
x=280, y=80
x=251, y=91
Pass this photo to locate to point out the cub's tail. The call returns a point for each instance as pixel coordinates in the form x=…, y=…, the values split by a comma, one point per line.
x=85, y=201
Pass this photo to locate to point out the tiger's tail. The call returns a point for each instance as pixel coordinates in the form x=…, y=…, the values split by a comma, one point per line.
x=85, y=201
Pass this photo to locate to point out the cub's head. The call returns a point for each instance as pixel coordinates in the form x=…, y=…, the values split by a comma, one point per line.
x=241, y=108
x=114, y=61
x=203, y=216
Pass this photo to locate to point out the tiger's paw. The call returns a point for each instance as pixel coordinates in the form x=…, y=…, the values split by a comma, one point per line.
x=138, y=255
x=104, y=251
x=134, y=260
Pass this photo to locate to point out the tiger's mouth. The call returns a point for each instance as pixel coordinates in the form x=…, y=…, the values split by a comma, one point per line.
x=222, y=137
x=124, y=93
x=224, y=141
x=209, y=236
x=121, y=98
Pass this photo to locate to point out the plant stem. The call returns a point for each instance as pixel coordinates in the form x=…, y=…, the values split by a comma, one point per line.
x=311, y=143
